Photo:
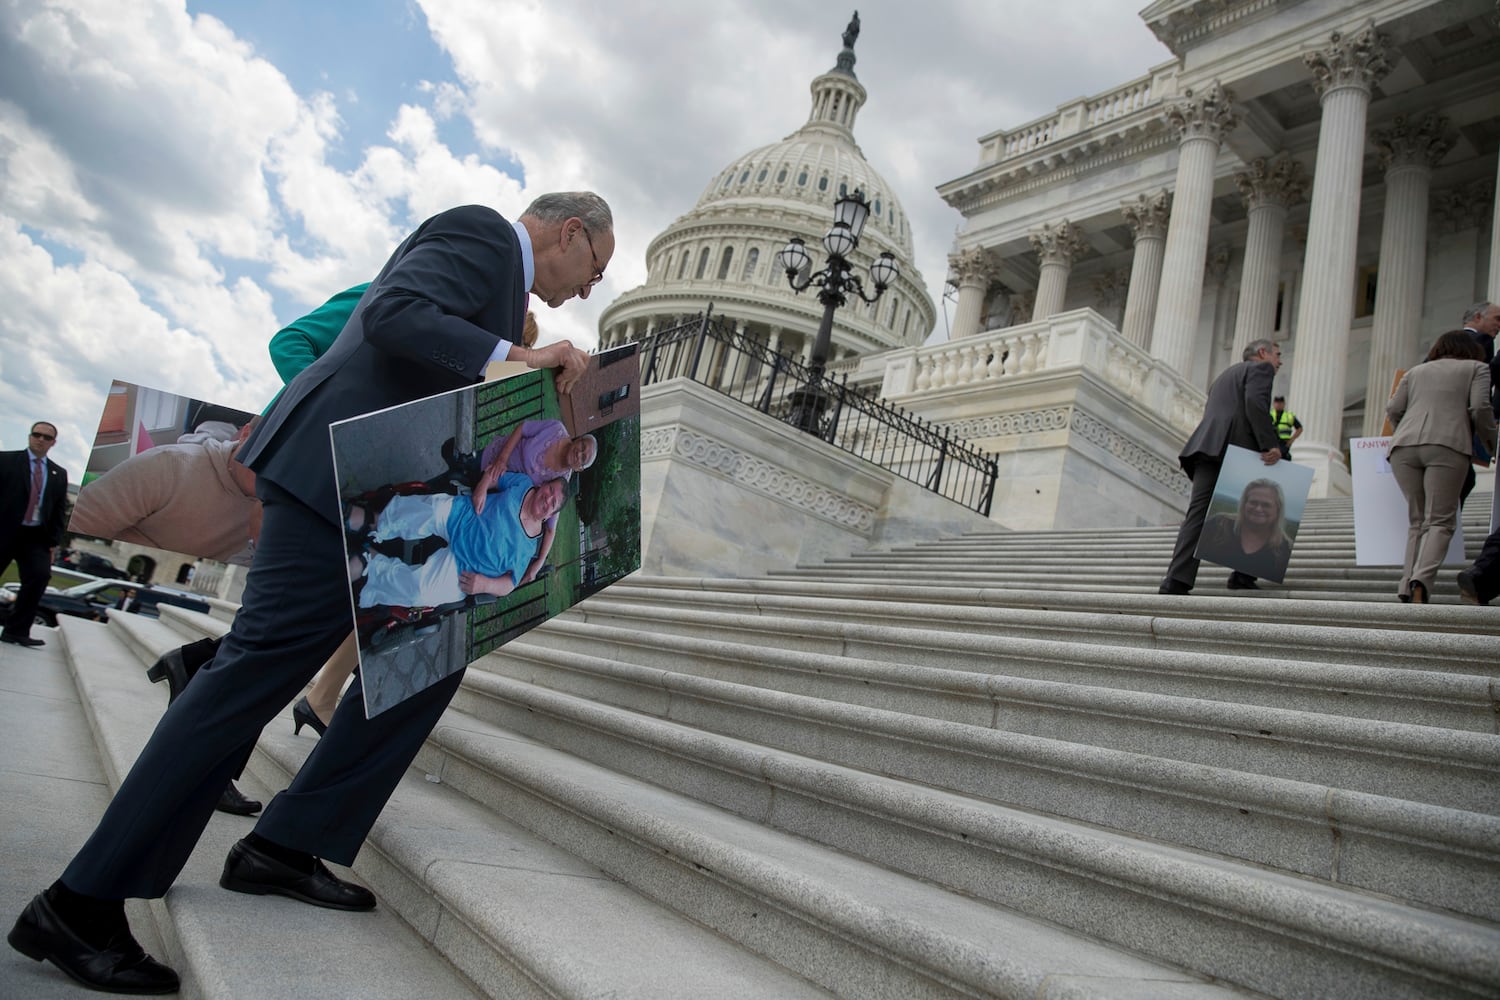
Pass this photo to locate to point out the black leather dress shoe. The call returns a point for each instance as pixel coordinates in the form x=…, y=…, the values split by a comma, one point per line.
x=121, y=966
x=1468, y=587
x=1242, y=581
x=232, y=800
x=1174, y=587
x=250, y=870
x=21, y=640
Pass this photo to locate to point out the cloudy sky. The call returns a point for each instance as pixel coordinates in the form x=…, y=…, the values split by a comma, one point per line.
x=179, y=180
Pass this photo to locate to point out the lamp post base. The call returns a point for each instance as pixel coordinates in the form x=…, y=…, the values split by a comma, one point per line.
x=808, y=406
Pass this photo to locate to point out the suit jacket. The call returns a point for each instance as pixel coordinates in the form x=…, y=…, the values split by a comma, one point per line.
x=15, y=491
x=427, y=324
x=1444, y=402
x=1238, y=412
x=1487, y=345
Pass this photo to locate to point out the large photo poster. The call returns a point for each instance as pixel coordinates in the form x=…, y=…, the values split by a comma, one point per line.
x=162, y=473
x=1254, y=515
x=478, y=514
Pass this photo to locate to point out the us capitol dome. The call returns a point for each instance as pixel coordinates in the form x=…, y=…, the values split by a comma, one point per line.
x=724, y=250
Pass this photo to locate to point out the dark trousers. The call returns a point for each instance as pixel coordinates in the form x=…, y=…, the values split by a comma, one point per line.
x=295, y=612
x=29, y=550
x=1184, y=567
x=1487, y=569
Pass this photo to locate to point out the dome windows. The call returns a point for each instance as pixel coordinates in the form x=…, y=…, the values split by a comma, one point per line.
x=751, y=259
x=745, y=176
x=725, y=261
x=823, y=183
x=702, y=264
x=760, y=178
x=781, y=176
x=802, y=179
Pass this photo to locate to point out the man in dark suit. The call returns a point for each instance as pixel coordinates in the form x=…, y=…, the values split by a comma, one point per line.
x=1238, y=412
x=451, y=299
x=1480, y=583
x=33, y=496
x=1481, y=323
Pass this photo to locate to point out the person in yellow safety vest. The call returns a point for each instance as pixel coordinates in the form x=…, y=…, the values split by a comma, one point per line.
x=1288, y=427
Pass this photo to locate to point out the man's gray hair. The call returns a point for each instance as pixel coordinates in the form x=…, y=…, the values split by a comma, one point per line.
x=1475, y=311
x=1256, y=346
x=560, y=206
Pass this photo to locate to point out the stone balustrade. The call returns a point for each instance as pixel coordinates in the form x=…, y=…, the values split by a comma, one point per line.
x=1016, y=142
x=1078, y=116
x=1121, y=101
x=1074, y=340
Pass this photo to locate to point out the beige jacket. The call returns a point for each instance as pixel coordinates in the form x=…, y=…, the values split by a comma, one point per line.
x=1443, y=402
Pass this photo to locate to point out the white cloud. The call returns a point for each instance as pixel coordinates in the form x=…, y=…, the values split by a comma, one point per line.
x=647, y=104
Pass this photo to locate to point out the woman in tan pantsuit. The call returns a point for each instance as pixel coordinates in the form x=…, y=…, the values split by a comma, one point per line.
x=1437, y=409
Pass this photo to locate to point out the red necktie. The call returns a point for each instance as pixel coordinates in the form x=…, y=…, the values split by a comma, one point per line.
x=36, y=491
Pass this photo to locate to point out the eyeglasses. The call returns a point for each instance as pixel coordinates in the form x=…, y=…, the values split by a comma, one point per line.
x=44, y=437
x=594, y=258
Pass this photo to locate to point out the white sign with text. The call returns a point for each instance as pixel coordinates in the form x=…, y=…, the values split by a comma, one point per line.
x=1380, y=508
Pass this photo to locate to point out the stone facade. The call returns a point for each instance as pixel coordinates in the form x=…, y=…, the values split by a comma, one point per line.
x=729, y=492
x=1323, y=174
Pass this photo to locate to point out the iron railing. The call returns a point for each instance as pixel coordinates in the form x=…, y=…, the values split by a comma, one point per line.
x=711, y=352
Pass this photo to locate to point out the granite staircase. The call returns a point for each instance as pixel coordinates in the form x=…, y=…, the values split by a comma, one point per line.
x=989, y=765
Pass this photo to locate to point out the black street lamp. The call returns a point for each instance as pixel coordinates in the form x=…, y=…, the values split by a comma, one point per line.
x=836, y=281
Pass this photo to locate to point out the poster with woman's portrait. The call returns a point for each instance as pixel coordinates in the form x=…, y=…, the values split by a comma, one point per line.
x=476, y=515
x=1254, y=515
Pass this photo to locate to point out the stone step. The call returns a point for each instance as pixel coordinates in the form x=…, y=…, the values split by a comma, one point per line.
x=53, y=788
x=219, y=942
x=1300, y=827
x=1308, y=673
x=1441, y=767
x=1244, y=606
x=510, y=911
x=1264, y=930
x=1141, y=581
x=858, y=927
x=523, y=917
x=809, y=618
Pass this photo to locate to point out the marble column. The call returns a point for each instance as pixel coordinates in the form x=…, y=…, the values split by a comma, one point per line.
x=1147, y=217
x=1409, y=149
x=1201, y=121
x=1058, y=247
x=972, y=270
x=1344, y=72
x=1269, y=188
x=1493, y=293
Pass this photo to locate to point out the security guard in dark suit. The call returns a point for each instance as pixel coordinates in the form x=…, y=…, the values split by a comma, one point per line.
x=33, y=498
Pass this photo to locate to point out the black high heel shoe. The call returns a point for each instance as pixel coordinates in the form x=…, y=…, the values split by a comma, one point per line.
x=170, y=668
x=303, y=715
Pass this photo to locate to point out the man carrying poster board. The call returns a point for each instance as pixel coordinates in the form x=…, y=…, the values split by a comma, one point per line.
x=1238, y=412
x=450, y=300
